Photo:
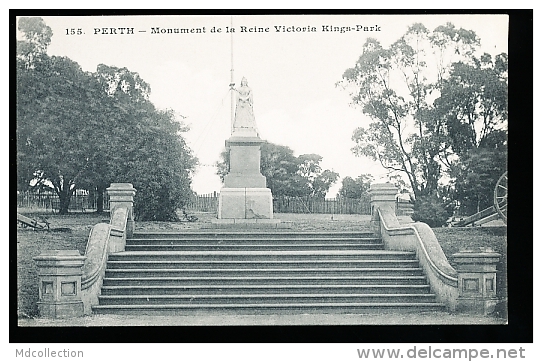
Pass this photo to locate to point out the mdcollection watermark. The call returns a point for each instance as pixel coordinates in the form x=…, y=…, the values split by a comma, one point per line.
x=48, y=352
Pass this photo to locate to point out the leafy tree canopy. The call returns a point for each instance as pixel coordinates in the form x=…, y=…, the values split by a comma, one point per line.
x=430, y=100
x=80, y=129
x=355, y=188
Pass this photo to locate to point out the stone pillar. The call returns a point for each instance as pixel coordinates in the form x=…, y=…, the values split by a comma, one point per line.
x=59, y=278
x=382, y=194
x=477, y=281
x=122, y=195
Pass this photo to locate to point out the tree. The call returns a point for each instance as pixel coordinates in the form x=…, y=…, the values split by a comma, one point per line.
x=473, y=106
x=432, y=210
x=473, y=109
x=393, y=87
x=86, y=130
x=475, y=177
x=321, y=183
x=149, y=150
x=279, y=166
x=317, y=181
x=355, y=189
x=161, y=168
x=37, y=37
x=57, y=108
x=130, y=97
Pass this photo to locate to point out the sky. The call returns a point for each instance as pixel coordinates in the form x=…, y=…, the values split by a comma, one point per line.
x=293, y=74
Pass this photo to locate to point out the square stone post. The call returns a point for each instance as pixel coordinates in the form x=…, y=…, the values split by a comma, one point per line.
x=477, y=281
x=122, y=195
x=382, y=194
x=59, y=278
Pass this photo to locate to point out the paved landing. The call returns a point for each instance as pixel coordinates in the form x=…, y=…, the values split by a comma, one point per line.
x=429, y=318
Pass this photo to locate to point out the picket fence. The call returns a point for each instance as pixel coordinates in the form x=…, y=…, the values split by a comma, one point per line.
x=50, y=201
x=313, y=205
x=296, y=205
x=209, y=203
x=203, y=203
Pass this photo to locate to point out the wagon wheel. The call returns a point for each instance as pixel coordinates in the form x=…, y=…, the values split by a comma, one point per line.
x=501, y=196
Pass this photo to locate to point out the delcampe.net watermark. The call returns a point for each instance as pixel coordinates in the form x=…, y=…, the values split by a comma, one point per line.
x=447, y=353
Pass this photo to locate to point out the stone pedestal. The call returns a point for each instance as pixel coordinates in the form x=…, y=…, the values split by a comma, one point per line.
x=244, y=195
x=477, y=281
x=59, y=278
x=382, y=194
x=245, y=203
x=122, y=195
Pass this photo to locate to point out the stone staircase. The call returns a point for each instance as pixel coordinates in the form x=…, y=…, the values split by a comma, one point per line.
x=261, y=272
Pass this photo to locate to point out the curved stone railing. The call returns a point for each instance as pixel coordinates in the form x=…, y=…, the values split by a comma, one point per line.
x=119, y=221
x=103, y=240
x=420, y=238
x=96, y=254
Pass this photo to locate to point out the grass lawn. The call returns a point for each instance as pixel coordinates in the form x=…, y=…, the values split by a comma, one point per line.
x=75, y=229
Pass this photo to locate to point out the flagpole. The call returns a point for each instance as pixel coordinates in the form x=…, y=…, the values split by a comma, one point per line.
x=231, y=72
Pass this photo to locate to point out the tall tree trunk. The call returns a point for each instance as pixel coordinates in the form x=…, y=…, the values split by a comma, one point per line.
x=64, y=197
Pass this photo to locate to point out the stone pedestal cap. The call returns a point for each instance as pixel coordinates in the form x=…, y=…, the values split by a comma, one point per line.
x=60, y=258
x=244, y=141
x=122, y=187
x=476, y=260
x=121, y=192
x=384, y=191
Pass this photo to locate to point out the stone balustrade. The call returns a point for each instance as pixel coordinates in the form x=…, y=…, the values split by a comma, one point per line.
x=470, y=288
x=69, y=283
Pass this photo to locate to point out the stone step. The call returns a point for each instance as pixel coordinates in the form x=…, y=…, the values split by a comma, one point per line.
x=268, y=289
x=261, y=272
x=263, y=299
x=253, y=241
x=220, y=234
x=250, y=247
x=248, y=272
x=292, y=255
x=267, y=308
x=274, y=280
x=263, y=264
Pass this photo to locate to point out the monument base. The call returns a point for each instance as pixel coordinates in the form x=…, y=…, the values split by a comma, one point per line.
x=245, y=203
x=247, y=224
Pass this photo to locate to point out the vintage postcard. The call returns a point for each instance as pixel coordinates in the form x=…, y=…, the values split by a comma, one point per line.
x=262, y=170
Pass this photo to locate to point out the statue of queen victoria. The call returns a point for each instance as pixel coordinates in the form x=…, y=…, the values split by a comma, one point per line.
x=244, y=114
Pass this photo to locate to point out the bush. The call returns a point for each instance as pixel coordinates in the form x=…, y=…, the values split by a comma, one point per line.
x=430, y=210
x=160, y=195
